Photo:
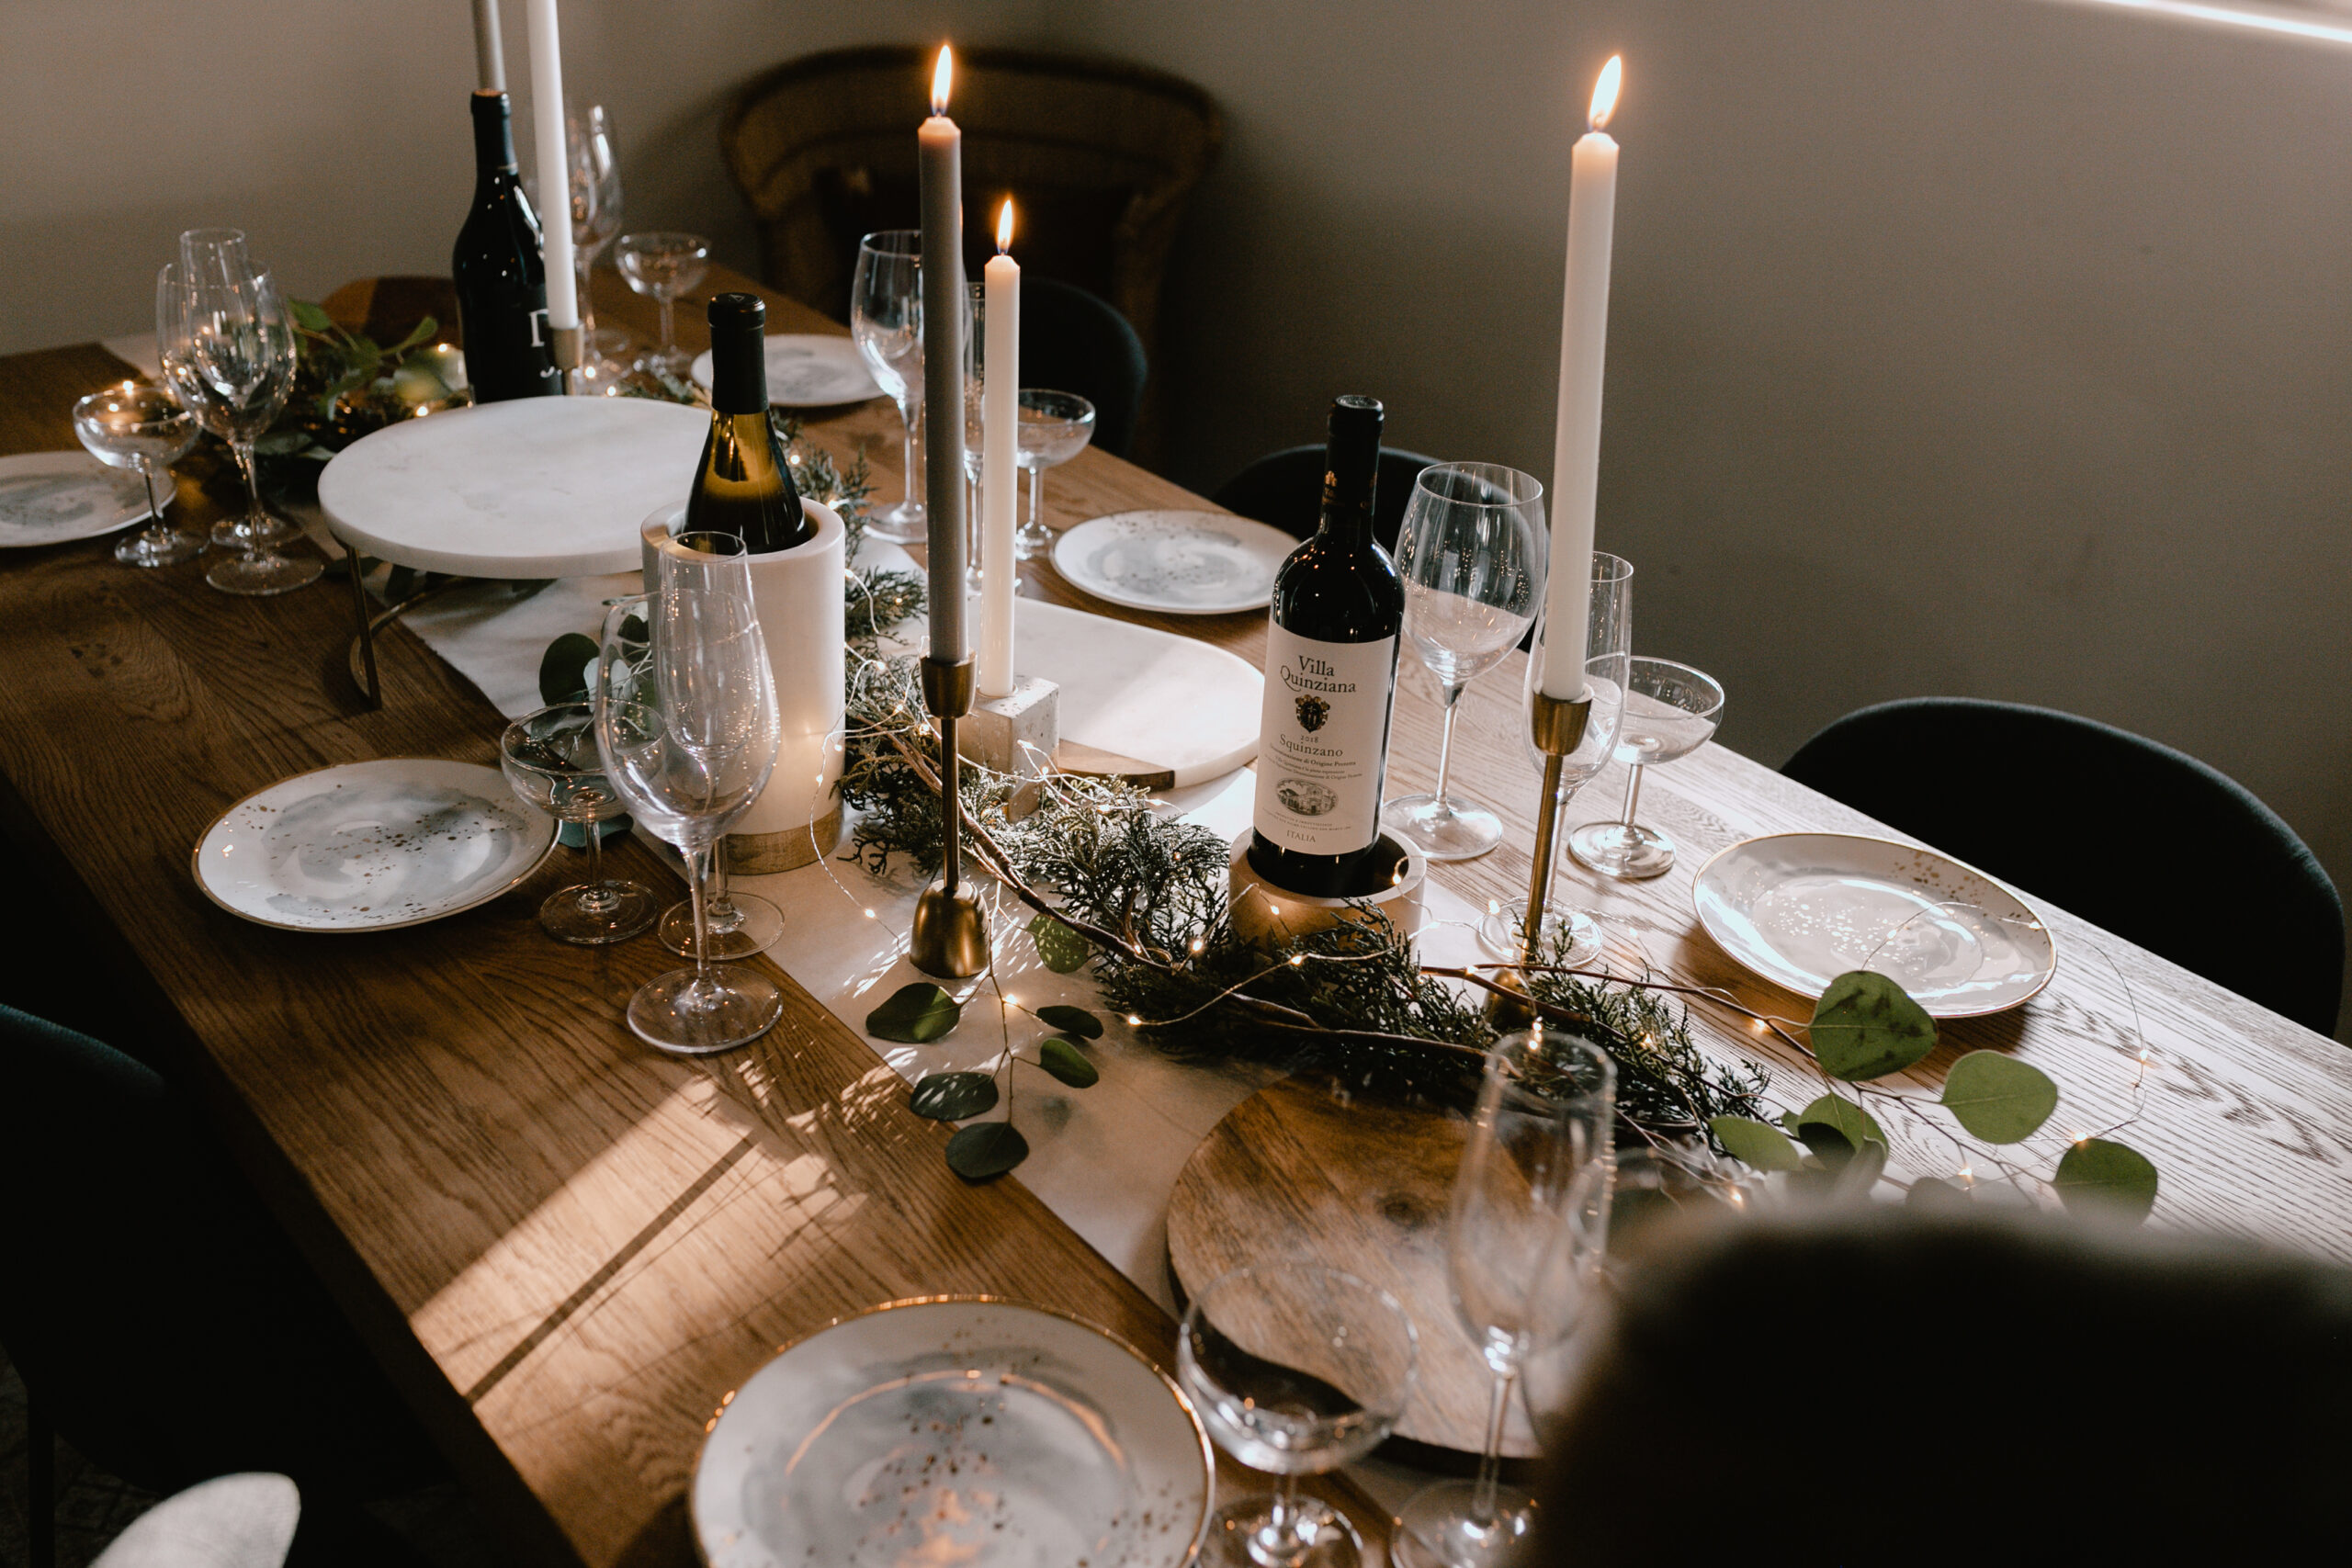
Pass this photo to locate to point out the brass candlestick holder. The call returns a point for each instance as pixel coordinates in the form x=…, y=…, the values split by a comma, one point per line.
x=1556, y=725
x=951, y=931
x=566, y=340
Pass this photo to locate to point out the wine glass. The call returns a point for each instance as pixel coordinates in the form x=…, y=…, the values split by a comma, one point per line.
x=1295, y=1370
x=1055, y=427
x=1471, y=552
x=221, y=253
x=550, y=760
x=735, y=925
x=885, y=322
x=226, y=343
x=1536, y=1164
x=595, y=219
x=1671, y=710
x=687, y=725
x=1570, y=935
x=144, y=429
x=976, y=428
x=664, y=265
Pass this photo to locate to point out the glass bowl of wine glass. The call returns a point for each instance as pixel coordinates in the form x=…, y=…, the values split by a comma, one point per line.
x=144, y=429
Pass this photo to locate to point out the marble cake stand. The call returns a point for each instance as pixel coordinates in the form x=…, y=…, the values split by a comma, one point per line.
x=532, y=488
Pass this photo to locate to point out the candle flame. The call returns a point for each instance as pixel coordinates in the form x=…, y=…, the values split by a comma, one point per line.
x=942, y=76
x=1005, y=227
x=1604, y=92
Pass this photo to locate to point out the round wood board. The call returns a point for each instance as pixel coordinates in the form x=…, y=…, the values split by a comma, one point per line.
x=1304, y=1172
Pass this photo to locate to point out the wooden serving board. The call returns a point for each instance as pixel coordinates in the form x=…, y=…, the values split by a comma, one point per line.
x=1304, y=1171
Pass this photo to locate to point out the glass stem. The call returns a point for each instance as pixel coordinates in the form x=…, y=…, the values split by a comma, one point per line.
x=912, y=417
x=587, y=308
x=723, y=914
x=244, y=451
x=1037, y=521
x=599, y=899
x=698, y=868
x=154, y=508
x=1633, y=791
x=1281, y=1514
x=1445, y=748
x=1490, y=1463
x=668, y=335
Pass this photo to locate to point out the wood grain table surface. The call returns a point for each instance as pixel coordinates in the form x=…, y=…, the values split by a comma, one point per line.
x=568, y=1247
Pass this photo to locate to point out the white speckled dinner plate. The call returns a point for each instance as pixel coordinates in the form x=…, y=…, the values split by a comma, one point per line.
x=50, y=498
x=808, y=370
x=1180, y=563
x=371, y=846
x=1802, y=908
x=953, y=1430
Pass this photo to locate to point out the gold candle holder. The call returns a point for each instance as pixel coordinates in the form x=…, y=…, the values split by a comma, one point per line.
x=565, y=341
x=951, y=931
x=1556, y=725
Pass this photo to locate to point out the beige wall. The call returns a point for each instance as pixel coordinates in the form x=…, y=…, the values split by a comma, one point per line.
x=1980, y=346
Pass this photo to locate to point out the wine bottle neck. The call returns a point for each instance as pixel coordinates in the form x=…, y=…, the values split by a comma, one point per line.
x=739, y=371
x=1350, y=470
x=493, y=138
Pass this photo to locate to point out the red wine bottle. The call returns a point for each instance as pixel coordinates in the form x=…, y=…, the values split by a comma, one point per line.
x=501, y=279
x=1330, y=682
x=745, y=487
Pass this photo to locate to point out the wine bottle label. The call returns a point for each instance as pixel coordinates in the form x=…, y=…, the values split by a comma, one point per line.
x=1322, y=741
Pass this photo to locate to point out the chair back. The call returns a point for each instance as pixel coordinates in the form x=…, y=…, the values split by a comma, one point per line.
x=1285, y=489
x=1072, y=341
x=2149, y=842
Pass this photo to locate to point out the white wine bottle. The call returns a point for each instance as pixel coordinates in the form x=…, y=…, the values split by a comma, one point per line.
x=745, y=485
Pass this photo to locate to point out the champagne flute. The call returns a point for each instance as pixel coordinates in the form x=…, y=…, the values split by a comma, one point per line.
x=1671, y=710
x=1055, y=427
x=595, y=219
x=885, y=322
x=1568, y=934
x=687, y=724
x=1295, y=1370
x=144, y=429
x=1536, y=1164
x=665, y=266
x=1471, y=552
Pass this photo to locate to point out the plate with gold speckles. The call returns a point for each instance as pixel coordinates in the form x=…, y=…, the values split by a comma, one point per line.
x=372, y=846
x=967, y=1430
x=1802, y=908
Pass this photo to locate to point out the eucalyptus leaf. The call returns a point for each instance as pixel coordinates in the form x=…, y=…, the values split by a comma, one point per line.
x=311, y=317
x=1998, y=1097
x=1063, y=949
x=1852, y=1121
x=564, y=669
x=986, y=1149
x=416, y=334
x=1866, y=1026
x=1758, y=1143
x=2100, y=1176
x=954, y=1097
x=1076, y=1023
x=1829, y=1145
x=634, y=629
x=1064, y=1061
x=1858, y=1175
x=1936, y=1195
x=915, y=1015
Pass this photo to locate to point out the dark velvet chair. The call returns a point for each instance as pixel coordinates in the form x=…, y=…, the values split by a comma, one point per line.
x=2145, y=840
x=1285, y=489
x=1072, y=341
x=162, y=1323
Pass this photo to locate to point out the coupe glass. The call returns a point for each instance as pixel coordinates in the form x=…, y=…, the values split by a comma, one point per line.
x=550, y=761
x=1055, y=427
x=885, y=322
x=143, y=429
x=1536, y=1164
x=595, y=219
x=1294, y=1369
x=1569, y=934
x=1671, y=710
x=664, y=265
x=1471, y=552
x=226, y=343
x=687, y=725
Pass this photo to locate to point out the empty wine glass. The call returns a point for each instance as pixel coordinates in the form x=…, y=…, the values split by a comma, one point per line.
x=595, y=219
x=1055, y=427
x=885, y=322
x=1471, y=552
x=1543, y=1123
x=665, y=266
x=1568, y=934
x=550, y=760
x=1295, y=1370
x=144, y=429
x=735, y=925
x=1671, y=710
x=226, y=343
x=975, y=428
x=687, y=724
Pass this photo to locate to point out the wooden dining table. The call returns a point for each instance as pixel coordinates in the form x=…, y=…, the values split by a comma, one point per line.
x=567, y=1248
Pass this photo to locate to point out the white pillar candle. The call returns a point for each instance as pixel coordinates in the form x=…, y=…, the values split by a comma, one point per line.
x=490, y=56
x=555, y=166
x=941, y=159
x=1575, y=449
x=999, y=471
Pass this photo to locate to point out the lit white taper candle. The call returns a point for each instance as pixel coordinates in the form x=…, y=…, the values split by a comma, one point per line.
x=1000, y=468
x=1575, y=449
x=555, y=166
x=940, y=153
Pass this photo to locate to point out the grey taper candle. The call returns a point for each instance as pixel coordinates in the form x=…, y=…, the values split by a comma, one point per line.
x=490, y=59
x=942, y=363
